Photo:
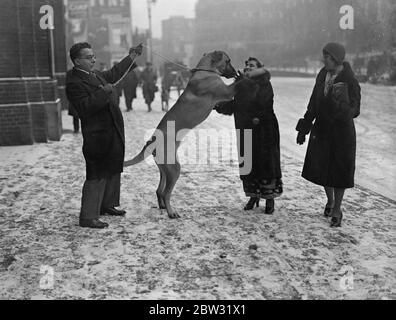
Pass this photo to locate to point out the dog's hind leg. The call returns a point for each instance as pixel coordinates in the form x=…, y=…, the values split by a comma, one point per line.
x=172, y=172
x=161, y=187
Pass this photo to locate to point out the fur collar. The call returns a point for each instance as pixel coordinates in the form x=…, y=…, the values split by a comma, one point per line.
x=346, y=75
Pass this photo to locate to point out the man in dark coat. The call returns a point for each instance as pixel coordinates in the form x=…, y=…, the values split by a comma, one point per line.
x=253, y=110
x=118, y=88
x=331, y=152
x=129, y=85
x=149, y=80
x=93, y=96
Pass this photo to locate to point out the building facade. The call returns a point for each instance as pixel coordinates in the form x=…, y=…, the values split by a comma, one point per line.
x=290, y=32
x=105, y=24
x=32, y=71
x=178, y=38
x=242, y=28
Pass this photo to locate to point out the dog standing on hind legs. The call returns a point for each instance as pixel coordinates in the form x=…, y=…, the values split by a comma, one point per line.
x=204, y=90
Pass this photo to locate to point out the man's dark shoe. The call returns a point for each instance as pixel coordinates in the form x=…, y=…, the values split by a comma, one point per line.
x=93, y=223
x=113, y=212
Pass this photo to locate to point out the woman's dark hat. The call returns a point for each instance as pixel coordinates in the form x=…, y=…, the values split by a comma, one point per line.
x=336, y=51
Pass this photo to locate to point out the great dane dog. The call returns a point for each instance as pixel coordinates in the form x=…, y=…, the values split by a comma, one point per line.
x=204, y=90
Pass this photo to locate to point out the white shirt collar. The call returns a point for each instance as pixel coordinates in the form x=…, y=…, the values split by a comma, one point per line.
x=85, y=71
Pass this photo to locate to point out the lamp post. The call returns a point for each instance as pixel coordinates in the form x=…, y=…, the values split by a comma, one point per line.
x=131, y=20
x=51, y=44
x=150, y=33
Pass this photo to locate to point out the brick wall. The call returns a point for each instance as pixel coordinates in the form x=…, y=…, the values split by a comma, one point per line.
x=61, y=78
x=39, y=122
x=16, y=125
x=29, y=97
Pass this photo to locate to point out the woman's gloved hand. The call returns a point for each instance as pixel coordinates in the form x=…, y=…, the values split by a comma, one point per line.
x=256, y=121
x=239, y=76
x=300, y=138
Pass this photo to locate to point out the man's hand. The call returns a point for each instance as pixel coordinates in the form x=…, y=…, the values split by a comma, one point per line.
x=300, y=138
x=136, y=51
x=108, y=88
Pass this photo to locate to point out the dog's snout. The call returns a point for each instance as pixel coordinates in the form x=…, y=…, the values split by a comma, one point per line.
x=230, y=71
x=234, y=72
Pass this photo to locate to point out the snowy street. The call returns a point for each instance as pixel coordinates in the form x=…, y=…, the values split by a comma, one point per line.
x=215, y=250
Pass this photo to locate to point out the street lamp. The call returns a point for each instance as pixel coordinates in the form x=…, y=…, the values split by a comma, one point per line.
x=131, y=20
x=150, y=39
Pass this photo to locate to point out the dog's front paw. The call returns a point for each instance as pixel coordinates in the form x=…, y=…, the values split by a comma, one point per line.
x=173, y=215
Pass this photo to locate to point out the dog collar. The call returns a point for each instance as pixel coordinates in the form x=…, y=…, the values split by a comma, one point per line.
x=199, y=69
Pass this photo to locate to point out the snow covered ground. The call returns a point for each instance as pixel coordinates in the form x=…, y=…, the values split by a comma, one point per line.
x=216, y=250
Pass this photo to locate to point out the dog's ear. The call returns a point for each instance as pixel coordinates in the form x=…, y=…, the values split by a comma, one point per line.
x=217, y=56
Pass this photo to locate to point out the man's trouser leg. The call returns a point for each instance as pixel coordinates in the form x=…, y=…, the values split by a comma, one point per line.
x=92, y=198
x=128, y=101
x=111, y=197
x=76, y=123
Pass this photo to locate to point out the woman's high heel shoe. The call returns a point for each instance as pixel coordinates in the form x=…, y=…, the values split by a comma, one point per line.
x=336, y=221
x=269, y=206
x=251, y=203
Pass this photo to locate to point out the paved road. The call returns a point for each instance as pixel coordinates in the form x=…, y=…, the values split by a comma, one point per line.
x=375, y=127
x=376, y=130
x=207, y=254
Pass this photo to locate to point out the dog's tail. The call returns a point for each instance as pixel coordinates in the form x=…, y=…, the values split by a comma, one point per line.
x=147, y=151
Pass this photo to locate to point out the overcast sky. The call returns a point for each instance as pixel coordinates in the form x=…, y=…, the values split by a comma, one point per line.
x=161, y=10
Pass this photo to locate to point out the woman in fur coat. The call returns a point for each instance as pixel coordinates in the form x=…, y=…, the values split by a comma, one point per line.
x=331, y=152
x=252, y=108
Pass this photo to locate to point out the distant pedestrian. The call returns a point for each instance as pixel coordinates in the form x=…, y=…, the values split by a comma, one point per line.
x=253, y=109
x=129, y=85
x=331, y=152
x=371, y=68
x=118, y=89
x=149, y=80
x=166, y=84
x=179, y=82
